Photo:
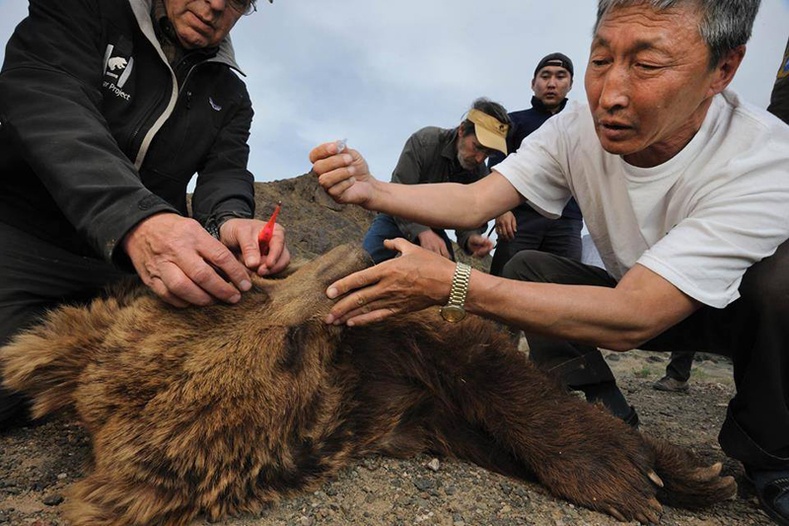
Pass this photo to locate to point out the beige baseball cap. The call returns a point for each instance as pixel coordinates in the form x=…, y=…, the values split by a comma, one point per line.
x=491, y=133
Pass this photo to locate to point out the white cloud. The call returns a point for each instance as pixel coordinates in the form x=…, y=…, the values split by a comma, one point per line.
x=374, y=72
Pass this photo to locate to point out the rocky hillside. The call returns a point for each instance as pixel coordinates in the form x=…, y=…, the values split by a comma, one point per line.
x=314, y=223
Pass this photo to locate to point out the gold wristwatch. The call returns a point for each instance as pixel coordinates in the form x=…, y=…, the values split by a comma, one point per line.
x=454, y=311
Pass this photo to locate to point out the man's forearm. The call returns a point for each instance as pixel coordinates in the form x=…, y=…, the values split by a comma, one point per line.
x=442, y=205
x=618, y=318
x=433, y=205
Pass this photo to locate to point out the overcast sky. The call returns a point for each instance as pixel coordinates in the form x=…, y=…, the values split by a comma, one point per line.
x=374, y=72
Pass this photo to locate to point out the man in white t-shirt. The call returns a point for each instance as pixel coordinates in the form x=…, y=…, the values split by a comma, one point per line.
x=684, y=188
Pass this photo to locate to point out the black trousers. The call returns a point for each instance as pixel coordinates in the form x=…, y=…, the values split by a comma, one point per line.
x=36, y=276
x=753, y=331
x=561, y=237
x=679, y=365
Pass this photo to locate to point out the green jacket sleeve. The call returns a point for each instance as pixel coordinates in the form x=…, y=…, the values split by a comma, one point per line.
x=408, y=170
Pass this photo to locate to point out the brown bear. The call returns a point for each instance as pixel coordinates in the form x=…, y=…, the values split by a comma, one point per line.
x=226, y=409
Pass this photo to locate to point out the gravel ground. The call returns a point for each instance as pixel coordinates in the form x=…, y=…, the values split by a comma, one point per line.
x=38, y=463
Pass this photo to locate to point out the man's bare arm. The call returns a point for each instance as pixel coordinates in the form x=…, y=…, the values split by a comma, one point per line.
x=640, y=307
x=347, y=179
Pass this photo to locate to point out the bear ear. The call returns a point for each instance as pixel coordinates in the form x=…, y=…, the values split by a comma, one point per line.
x=263, y=291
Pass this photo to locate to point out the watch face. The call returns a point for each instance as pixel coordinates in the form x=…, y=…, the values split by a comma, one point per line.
x=453, y=313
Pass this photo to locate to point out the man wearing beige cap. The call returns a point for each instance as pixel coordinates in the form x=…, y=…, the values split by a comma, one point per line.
x=440, y=155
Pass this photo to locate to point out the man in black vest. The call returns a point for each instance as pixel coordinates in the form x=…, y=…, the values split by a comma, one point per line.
x=523, y=228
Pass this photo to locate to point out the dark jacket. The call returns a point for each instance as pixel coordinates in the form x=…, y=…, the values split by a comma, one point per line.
x=430, y=155
x=779, y=99
x=96, y=133
x=524, y=122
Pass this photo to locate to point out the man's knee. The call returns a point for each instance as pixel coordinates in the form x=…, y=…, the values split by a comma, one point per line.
x=766, y=284
x=382, y=228
x=378, y=252
x=529, y=265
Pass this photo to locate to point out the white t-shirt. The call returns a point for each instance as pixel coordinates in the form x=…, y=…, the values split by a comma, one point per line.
x=699, y=220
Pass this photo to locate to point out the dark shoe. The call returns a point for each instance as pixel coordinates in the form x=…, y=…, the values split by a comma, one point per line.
x=671, y=385
x=772, y=488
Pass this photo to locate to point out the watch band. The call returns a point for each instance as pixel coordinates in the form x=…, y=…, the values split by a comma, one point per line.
x=212, y=227
x=454, y=310
x=460, y=282
x=214, y=222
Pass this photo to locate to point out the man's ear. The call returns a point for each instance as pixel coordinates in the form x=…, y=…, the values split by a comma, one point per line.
x=726, y=69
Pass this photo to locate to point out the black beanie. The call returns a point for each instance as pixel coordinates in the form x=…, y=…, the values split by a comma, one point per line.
x=555, y=59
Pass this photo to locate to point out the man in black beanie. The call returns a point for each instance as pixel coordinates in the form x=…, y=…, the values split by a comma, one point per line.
x=523, y=228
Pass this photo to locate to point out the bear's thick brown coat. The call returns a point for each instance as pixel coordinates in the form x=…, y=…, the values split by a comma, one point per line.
x=225, y=409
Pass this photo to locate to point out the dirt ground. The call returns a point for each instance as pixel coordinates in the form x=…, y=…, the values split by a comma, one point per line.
x=37, y=464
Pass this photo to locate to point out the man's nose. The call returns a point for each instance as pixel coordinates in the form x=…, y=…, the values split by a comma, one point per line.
x=615, y=91
x=217, y=5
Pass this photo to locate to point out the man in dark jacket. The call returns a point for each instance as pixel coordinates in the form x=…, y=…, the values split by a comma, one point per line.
x=441, y=155
x=107, y=110
x=523, y=228
x=779, y=99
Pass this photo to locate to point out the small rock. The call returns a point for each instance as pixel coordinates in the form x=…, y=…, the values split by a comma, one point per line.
x=434, y=465
x=424, y=484
x=53, y=500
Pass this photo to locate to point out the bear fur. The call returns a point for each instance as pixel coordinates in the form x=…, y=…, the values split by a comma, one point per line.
x=226, y=409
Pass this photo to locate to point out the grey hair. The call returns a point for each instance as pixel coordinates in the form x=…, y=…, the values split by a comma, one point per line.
x=725, y=24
